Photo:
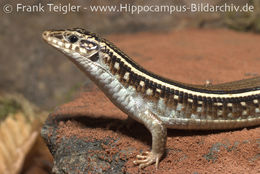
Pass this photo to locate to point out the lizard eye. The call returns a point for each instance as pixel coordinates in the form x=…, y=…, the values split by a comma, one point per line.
x=73, y=39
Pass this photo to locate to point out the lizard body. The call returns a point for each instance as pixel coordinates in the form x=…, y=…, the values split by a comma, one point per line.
x=154, y=101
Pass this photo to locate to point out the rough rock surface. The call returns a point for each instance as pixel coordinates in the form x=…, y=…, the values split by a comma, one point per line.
x=88, y=134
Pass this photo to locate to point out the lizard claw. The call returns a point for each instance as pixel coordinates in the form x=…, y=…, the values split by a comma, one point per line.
x=147, y=158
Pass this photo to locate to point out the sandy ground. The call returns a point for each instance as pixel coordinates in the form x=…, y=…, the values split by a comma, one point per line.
x=191, y=56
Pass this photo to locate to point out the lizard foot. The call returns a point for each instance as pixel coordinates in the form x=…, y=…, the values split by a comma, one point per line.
x=147, y=158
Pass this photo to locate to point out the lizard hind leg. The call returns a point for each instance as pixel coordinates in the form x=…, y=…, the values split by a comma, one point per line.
x=159, y=135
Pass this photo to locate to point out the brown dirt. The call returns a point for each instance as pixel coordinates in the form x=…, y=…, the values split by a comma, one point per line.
x=191, y=56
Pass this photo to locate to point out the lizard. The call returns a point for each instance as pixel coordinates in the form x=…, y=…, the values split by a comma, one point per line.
x=156, y=102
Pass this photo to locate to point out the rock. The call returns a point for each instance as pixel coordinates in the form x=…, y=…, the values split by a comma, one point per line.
x=75, y=152
x=81, y=144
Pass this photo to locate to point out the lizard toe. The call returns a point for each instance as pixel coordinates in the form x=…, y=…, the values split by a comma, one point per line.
x=146, y=159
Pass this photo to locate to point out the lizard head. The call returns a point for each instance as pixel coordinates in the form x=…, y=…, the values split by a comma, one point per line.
x=76, y=43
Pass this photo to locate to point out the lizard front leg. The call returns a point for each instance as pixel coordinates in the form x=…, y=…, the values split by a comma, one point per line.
x=159, y=135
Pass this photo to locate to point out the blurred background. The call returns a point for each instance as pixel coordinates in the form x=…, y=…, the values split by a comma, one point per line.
x=35, y=75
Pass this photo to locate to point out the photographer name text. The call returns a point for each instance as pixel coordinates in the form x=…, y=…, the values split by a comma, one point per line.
x=50, y=7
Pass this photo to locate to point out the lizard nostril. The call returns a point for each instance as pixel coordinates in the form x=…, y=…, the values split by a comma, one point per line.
x=44, y=34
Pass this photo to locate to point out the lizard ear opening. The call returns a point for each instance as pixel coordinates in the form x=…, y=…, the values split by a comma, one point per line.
x=95, y=57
